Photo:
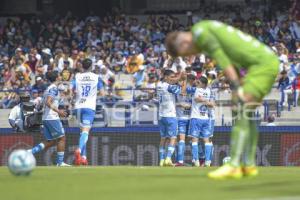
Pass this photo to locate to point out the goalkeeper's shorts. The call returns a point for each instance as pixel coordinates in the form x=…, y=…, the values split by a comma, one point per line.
x=260, y=78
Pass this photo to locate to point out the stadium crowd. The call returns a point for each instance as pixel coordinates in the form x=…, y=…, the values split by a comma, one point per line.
x=118, y=44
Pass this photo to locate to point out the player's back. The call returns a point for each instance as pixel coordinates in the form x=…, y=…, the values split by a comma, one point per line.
x=200, y=110
x=183, y=109
x=242, y=49
x=167, y=103
x=86, y=86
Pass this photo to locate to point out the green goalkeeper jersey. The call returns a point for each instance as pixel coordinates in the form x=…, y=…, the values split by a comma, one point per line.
x=230, y=46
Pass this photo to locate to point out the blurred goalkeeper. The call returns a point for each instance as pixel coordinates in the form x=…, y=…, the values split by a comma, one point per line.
x=233, y=50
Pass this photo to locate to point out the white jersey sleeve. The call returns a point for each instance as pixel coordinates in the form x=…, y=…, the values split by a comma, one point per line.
x=167, y=101
x=49, y=114
x=86, y=86
x=200, y=110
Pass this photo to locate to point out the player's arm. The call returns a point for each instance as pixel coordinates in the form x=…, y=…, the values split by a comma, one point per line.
x=184, y=105
x=49, y=103
x=208, y=103
x=174, y=89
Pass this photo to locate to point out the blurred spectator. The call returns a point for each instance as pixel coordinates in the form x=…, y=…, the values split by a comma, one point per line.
x=15, y=118
x=134, y=62
x=36, y=99
x=285, y=87
x=105, y=75
x=116, y=43
x=139, y=77
x=118, y=62
x=113, y=92
x=296, y=89
x=271, y=120
x=9, y=100
x=66, y=72
x=39, y=85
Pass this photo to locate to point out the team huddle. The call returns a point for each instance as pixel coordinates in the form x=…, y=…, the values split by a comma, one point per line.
x=186, y=107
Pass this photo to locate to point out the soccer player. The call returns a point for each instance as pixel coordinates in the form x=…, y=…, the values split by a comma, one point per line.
x=200, y=123
x=183, y=112
x=52, y=126
x=85, y=87
x=208, y=144
x=166, y=90
x=233, y=50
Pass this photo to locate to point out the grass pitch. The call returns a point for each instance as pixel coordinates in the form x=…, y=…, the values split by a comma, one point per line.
x=147, y=183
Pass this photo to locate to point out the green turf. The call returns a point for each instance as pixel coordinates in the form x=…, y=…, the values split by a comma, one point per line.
x=149, y=183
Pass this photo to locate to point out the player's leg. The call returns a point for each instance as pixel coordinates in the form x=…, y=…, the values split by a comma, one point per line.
x=201, y=153
x=45, y=144
x=162, y=144
x=182, y=129
x=239, y=136
x=249, y=168
x=171, y=135
x=255, y=88
x=56, y=128
x=61, y=152
x=86, y=121
x=212, y=128
x=195, y=125
x=42, y=146
x=206, y=135
x=257, y=83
